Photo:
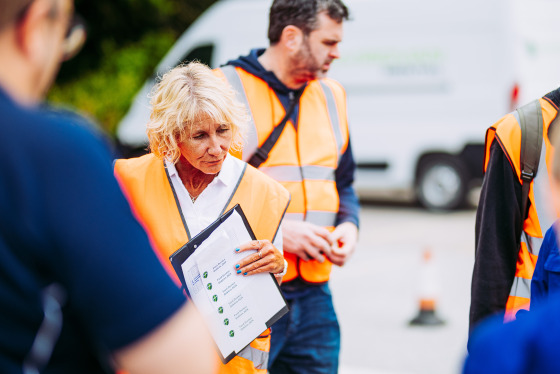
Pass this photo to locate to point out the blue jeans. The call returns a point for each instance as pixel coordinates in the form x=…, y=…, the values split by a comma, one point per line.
x=307, y=338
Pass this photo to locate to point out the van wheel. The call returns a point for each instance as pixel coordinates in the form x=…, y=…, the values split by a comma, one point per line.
x=441, y=183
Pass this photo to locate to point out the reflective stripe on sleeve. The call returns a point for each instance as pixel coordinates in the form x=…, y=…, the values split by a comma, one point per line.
x=53, y=299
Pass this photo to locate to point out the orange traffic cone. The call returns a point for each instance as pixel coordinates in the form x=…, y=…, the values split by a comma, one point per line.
x=428, y=289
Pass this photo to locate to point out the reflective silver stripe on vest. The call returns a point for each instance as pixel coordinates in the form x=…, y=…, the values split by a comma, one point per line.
x=333, y=114
x=320, y=218
x=521, y=288
x=283, y=173
x=541, y=191
x=298, y=174
x=294, y=216
x=318, y=173
x=543, y=198
x=258, y=357
x=251, y=140
x=536, y=243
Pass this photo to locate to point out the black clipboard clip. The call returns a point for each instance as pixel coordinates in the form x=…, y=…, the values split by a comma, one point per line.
x=182, y=254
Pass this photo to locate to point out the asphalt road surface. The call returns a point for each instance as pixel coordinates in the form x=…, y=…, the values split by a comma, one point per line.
x=378, y=292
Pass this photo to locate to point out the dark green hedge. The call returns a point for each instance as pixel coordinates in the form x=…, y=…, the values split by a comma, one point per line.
x=126, y=40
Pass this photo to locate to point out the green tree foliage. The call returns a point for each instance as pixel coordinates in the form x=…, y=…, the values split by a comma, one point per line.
x=126, y=40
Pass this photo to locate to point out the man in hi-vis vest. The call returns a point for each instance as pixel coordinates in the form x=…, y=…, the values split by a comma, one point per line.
x=284, y=87
x=507, y=240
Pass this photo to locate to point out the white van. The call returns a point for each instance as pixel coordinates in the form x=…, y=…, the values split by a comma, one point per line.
x=424, y=80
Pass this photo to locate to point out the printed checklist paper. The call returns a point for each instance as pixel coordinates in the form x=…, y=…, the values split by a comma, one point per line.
x=237, y=308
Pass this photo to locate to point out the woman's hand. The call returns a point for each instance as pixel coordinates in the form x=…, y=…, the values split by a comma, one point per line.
x=267, y=259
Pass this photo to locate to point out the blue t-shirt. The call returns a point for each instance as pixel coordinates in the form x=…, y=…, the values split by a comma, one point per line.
x=528, y=345
x=65, y=222
x=546, y=278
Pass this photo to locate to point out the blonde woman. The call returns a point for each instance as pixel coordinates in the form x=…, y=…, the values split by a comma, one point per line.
x=190, y=179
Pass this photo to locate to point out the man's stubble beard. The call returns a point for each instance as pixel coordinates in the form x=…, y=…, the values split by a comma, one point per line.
x=305, y=65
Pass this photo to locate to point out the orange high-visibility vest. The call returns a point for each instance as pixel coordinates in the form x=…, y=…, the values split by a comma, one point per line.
x=146, y=184
x=541, y=214
x=303, y=160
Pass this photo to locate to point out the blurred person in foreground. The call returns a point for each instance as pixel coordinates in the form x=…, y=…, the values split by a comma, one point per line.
x=312, y=157
x=189, y=180
x=81, y=289
x=507, y=241
x=530, y=343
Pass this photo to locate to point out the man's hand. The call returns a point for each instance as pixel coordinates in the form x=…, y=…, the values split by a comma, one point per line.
x=345, y=237
x=306, y=240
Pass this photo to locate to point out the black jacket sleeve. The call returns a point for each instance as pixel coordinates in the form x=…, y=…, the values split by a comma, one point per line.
x=497, y=236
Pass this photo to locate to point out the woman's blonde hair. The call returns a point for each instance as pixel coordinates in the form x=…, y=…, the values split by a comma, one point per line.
x=185, y=95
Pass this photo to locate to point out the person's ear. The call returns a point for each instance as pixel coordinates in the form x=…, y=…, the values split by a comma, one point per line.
x=291, y=38
x=33, y=27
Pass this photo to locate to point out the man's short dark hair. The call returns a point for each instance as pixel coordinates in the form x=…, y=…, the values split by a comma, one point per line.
x=11, y=10
x=302, y=14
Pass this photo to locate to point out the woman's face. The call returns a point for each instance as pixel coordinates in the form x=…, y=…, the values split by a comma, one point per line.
x=207, y=145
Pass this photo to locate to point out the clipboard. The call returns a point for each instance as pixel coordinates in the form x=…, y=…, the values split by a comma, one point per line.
x=180, y=257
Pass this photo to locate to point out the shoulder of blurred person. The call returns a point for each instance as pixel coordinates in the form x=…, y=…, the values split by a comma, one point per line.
x=88, y=122
x=527, y=345
x=47, y=132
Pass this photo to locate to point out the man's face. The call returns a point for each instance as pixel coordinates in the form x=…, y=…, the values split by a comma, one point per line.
x=318, y=50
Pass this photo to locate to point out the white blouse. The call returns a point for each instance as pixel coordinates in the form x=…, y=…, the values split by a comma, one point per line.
x=212, y=201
